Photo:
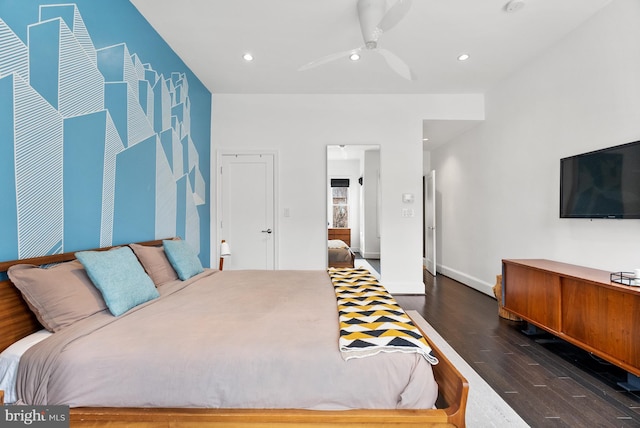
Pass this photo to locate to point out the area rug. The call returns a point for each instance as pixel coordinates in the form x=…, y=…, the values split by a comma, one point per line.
x=485, y=408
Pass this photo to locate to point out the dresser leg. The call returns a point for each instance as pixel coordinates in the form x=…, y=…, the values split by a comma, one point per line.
x=532, y=330
x=632, y=384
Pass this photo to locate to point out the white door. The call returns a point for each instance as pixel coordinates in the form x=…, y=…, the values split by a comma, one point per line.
x=247, y=210
x=430, y=222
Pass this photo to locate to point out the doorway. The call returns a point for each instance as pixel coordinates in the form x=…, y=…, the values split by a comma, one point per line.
x=355, y=208
x=246, y=209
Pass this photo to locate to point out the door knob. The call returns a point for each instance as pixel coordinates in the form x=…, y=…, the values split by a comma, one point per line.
x=267, y=231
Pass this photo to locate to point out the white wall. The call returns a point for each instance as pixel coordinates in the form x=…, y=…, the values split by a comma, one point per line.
x=498, y=184
x=299, y=127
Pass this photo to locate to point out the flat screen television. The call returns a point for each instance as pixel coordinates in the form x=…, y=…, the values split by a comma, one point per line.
x=601, y=184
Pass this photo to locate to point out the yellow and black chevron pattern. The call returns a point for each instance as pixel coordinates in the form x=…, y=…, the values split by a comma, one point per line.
x=371, y=321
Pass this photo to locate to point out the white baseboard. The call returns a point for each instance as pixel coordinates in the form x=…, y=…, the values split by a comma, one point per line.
x=370, y=255
x=481, y=286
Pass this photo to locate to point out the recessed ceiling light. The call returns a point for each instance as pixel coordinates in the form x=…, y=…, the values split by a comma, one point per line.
x=247, y=57
x=463, y=57
x=354, y=56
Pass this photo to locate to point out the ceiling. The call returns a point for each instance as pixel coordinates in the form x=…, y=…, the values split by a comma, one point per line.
x=211, y=37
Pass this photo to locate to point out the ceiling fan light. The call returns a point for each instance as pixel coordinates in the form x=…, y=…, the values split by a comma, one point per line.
x=354, y=56
x=247, y=57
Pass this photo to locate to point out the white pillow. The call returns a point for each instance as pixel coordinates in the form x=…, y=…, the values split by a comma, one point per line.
x=337, y=243
x=10, y=359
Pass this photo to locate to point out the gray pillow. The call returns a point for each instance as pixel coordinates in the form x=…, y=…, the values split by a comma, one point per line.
x=155, y=263
x=59, y=295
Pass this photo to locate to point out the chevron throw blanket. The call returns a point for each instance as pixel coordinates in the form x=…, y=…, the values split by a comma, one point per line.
x=371, y=321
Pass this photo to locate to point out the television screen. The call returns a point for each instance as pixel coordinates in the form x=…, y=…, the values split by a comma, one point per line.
x=601, y=184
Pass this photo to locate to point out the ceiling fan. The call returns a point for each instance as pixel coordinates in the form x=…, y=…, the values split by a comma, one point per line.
x=375, y=19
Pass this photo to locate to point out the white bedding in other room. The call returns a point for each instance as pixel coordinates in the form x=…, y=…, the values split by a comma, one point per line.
x=337, y=243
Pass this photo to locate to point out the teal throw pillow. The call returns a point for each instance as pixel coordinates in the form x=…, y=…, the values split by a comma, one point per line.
x=184, y=260
x=120, y=278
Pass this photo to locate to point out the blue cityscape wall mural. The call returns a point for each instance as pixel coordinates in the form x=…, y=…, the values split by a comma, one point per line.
x=104, y=131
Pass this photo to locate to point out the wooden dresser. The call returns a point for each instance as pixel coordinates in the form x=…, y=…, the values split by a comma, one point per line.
x=577, y=304
x=343, y=234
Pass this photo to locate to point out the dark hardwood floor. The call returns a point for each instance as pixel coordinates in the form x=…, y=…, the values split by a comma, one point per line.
x=548, y=382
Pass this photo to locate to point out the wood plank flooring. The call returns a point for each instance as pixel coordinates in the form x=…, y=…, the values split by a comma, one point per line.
x=548, y=382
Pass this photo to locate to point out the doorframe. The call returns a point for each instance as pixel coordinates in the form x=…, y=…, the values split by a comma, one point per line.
x=425, y=227
x=215, y=238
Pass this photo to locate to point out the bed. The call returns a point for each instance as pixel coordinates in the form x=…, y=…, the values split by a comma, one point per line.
x=339, y=248
x=233, y=290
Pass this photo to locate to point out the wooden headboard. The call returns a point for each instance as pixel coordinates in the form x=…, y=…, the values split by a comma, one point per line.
x=343, y=234
x=16, y=319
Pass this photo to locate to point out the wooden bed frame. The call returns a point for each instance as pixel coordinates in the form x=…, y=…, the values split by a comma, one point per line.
x=17, y=321
x=344, y=235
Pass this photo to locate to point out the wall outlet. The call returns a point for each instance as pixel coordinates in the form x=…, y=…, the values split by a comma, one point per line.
x=408, y=212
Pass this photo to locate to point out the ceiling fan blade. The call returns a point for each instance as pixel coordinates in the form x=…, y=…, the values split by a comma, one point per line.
x=329, y=58
x=396, y=64
x=394, y=15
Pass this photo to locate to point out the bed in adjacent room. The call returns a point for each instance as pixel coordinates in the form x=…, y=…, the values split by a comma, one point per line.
x=339, y=248
x=209, y=347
